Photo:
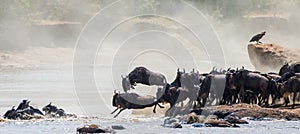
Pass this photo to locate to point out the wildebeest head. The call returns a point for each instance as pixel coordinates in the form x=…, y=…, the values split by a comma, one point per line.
x=125, y=83
x=10, y=113
x=49, y=108
x=230, y=81
x=285, y=68
x=177, y=81
x=23, y=105
x=115, y=99
x=189, y=80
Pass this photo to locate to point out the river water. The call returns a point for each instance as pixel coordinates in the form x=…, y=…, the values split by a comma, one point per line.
x=44, y=83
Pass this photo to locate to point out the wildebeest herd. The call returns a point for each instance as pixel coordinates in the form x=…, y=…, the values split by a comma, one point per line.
x=25, y=111
x=217, y=87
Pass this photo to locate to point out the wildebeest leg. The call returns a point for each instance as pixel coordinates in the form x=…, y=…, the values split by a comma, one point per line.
x=294, y=99
x=119, y=112
x=154, y=108
x=286, y=101
x=160, y=106
x=114, y=111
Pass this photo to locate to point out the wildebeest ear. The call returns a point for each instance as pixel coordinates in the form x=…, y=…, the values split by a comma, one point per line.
x=193, y=70
x=177, y=69
x=13, y=107
x=50, y=103
x=183, y=70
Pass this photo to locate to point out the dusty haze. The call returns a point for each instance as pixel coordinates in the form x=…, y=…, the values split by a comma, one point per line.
x=42, y=35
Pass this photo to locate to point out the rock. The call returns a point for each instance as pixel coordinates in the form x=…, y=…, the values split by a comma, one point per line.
x=93, y=128
x=192, y=118
x=2, y=120
x=117, y=127
x=235, y=120
x=172, y=123
x=216, y=123
x=197, y=125
x=222, y=114
x=270, y=57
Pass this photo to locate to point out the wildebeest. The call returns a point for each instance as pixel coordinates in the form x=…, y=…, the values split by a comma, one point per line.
x=12, y=114
x=172, y=95
x=23, y=109
x=190, y=82
x=133, y=101
x=144, y=76
x=257, y=37
x=293, y=68
x=292, y=85
x=259, y=84
x=53, y=110
x=215, y=87
x=126, y=84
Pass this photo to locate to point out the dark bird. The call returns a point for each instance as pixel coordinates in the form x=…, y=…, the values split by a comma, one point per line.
x=257, y=37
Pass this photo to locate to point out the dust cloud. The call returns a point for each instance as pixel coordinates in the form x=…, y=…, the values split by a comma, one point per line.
x=34, y=24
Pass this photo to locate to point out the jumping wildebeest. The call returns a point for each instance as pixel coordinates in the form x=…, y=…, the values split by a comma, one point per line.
x=53, y=110
x=257, y=37
x=133, y=101
x=144, y=76
x=292, y=85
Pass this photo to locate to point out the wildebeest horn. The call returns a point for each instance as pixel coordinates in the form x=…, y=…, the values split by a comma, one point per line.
x=193, y=70
x=229, y=69
x=177, y=69
x=12, y=107
x=243, y=67
x=183, y=70
x=115, y=91
x=50, y=103
x=122, y=76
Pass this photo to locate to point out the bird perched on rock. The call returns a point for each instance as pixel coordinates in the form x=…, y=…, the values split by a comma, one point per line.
x=257, y=37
